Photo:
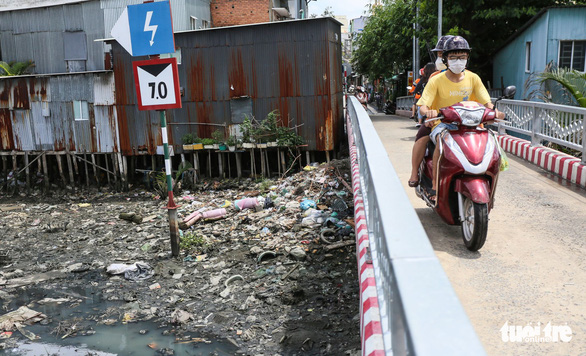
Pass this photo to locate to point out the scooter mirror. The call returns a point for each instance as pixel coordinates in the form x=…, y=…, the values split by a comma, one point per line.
x=510, y=91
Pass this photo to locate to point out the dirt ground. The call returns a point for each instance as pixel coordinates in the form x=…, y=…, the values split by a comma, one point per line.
x=268, y=280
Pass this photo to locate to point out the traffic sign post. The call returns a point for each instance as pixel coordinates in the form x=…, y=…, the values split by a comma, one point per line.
x=157, y=84
x=147, y=29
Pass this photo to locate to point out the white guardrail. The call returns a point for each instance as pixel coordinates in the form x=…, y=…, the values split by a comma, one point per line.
x=540, y=122
x=420, y=312
x=560, y=124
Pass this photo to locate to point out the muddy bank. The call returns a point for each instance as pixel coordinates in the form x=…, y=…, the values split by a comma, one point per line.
x=276, y=275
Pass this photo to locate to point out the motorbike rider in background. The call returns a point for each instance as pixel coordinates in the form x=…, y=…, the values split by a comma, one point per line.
x=448, y=88
x=422, y=137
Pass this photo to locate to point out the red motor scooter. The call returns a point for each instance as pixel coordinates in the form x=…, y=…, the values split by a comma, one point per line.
x=468, y=169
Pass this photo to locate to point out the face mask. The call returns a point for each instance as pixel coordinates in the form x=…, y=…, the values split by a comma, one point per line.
x=439, y=64
x=457, y=65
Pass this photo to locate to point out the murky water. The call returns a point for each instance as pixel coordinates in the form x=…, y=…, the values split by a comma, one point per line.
x=130, y=338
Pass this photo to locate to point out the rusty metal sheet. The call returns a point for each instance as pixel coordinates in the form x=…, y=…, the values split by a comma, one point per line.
x=6, y=136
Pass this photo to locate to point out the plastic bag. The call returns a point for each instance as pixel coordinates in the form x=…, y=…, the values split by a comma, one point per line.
x=504, y=160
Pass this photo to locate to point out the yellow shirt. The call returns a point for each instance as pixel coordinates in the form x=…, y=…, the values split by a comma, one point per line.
x=441, y=92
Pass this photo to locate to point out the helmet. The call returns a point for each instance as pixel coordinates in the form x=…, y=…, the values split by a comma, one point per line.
x=440, y=43
x=456, y=43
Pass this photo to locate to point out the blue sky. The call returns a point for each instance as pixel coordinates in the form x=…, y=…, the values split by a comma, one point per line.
x=350, y=8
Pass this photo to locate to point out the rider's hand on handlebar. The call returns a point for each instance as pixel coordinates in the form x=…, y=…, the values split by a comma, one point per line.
x=499, y=114
x=430, y=115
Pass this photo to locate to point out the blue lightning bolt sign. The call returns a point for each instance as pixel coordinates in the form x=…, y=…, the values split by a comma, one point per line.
x=146, y=29
x=149, y=27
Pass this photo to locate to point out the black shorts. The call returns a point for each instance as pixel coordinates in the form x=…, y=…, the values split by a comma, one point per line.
x=423, y=131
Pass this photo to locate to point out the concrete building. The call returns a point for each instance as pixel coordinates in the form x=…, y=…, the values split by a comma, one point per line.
x=243, y=12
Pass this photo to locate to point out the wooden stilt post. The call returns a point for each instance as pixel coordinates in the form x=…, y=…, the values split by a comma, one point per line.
x=115, y=169
x=123, y=170
x=209, y=163
x=4, y=168
x=87, y=173
x=328, y=156
x=70, y=169
x=74, y=159
x=252, y=174
x=15, y=171
x=283, y=162
x=239, y=164
x=307, y=158
x=28, y=176
x=299, y=154
x=96, y=173
x=196, y=164
x=46, y=173
x=220, y=165
x=107, y=167
x=60, y=167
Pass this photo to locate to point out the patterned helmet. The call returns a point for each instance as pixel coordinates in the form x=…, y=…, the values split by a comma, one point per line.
x=456, y=44
x=440, y=43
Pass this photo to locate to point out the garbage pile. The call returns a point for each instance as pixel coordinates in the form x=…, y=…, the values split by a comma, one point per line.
x=269, y=266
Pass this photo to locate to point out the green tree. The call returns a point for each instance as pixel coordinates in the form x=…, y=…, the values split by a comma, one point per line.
x=15, y=68
x=385, y=45
x=487, y=25
x=558, y=85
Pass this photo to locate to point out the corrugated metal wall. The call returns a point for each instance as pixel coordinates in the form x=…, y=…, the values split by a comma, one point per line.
x=294, y=67
x=37, y=34
x=36, y=113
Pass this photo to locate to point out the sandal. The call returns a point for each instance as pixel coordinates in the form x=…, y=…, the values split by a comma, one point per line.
x=413, y=183
x=431, y=195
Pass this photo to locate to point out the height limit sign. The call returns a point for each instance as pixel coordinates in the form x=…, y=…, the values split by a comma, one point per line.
x=157, y=84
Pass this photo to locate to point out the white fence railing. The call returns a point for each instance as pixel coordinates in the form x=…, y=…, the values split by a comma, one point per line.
x=420, y=312
x=560, y=124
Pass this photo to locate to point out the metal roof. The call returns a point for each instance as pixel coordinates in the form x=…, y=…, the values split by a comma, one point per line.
x=11, y=5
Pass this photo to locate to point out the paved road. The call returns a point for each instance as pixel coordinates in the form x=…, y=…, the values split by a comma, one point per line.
x=532, y=268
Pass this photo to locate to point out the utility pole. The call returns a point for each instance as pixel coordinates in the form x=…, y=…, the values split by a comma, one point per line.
x=439, y=19
x=416, y=44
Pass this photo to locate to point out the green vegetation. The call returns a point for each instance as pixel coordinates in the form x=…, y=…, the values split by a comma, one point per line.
x=15, y=68
x=384, y=48
x=571, y=84
x=191, y=242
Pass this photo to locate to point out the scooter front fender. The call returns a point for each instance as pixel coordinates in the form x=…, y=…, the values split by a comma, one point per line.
x=476, y=189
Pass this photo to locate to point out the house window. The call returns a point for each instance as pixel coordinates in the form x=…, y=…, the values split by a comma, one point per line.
x=74, y=45
x=527, y=57
x=193, y=22
x=80, y=110
x=572, y=55
x=205, y=24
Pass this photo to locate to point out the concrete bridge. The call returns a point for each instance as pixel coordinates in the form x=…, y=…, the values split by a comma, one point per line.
x=531, y=271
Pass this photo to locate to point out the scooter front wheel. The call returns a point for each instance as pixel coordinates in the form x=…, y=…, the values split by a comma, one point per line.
x=475, y=224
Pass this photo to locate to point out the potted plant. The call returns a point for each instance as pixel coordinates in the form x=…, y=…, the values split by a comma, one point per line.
x=287, y=137
x=232, y=141
x=187, y=141
x=197, y=145
x=218, y=137
x=270, y=128
x=208, y=143
x=247, y=133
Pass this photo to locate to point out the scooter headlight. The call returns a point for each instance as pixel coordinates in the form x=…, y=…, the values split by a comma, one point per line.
x=471, y=116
